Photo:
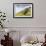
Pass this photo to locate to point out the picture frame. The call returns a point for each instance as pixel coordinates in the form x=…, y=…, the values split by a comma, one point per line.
x=22, y=10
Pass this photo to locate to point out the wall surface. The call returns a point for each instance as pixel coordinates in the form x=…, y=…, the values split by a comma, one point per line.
x=39, y=13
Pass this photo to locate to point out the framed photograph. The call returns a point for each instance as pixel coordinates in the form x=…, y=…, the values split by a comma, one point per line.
x=22, y=10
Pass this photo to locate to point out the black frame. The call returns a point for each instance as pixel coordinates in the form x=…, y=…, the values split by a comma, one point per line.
x=22, y=3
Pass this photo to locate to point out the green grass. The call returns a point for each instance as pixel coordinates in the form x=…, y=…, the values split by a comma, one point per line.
x=25, y=12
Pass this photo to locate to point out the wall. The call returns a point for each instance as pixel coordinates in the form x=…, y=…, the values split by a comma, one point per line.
x=39, y=11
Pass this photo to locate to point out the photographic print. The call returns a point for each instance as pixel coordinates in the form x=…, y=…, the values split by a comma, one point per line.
x=22, y=9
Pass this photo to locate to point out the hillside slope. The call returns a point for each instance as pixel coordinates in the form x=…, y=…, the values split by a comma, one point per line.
x=25, y=12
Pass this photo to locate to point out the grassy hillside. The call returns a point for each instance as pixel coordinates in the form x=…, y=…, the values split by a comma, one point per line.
x=25, y=12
